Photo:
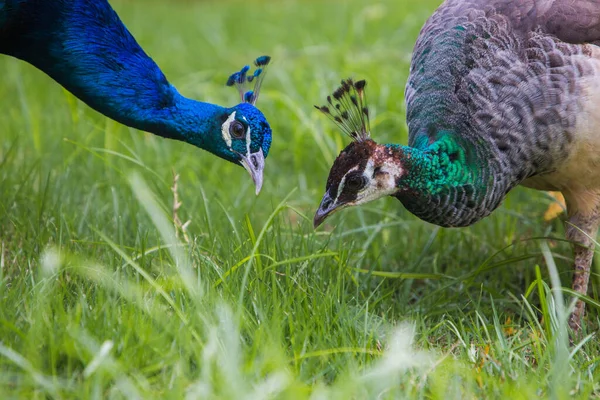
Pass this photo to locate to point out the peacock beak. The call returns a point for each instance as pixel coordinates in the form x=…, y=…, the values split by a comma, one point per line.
x=328, y=206
x=254, y=163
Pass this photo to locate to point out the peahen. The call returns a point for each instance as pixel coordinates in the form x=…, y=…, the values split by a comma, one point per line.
x=500, y=93
x=84, y=46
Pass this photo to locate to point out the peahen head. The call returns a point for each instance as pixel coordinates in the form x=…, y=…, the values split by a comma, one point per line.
x=245, y=132
x=364, y=171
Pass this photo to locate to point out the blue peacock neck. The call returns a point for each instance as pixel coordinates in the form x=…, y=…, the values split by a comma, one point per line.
x=84, y=46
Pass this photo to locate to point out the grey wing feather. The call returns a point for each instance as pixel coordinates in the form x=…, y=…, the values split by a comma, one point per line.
x=572, y=21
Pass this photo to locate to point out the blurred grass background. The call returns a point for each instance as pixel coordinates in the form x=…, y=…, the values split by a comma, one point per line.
x=100, y=300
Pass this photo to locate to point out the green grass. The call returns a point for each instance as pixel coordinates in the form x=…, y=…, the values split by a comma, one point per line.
x=100, y=299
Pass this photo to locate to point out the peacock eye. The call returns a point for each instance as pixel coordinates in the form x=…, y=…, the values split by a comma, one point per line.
x=237, y=130
x=355, y=182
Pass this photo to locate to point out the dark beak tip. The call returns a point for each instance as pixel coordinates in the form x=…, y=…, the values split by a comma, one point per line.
x=317, y=222
x=320, y=216
x=325, y=209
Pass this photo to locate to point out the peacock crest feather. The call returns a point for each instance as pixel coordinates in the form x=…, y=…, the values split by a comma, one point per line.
x=242, y=79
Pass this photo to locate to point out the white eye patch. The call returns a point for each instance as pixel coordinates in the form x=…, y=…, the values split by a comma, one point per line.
x=225, y=129
x=369, y=169
x=378, y=185
x=248, y=140
x=392, y=169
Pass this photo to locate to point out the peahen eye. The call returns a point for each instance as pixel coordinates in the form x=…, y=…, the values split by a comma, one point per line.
x=355, y=182
x=236, y=129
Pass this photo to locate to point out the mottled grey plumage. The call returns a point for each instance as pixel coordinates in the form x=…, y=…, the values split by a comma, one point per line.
x=495, y=74
x=519, y=82
x=500, y=93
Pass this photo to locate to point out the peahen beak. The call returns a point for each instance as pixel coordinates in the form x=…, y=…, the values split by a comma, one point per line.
x=328, y=206
x=254, y=164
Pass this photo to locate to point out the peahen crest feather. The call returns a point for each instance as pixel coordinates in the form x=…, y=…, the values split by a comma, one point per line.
x=347, y=108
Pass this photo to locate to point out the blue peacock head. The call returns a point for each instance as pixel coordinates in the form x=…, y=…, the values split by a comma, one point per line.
x=246, y=132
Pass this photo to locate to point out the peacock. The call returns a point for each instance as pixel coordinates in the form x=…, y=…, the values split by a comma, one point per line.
x=84, y=46
x=500, y=93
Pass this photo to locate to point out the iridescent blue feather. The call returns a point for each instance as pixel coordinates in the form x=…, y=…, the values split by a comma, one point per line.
x=84, y=46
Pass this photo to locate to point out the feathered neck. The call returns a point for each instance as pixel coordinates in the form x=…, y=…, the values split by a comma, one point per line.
x=83, y=45
x=449, y=183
